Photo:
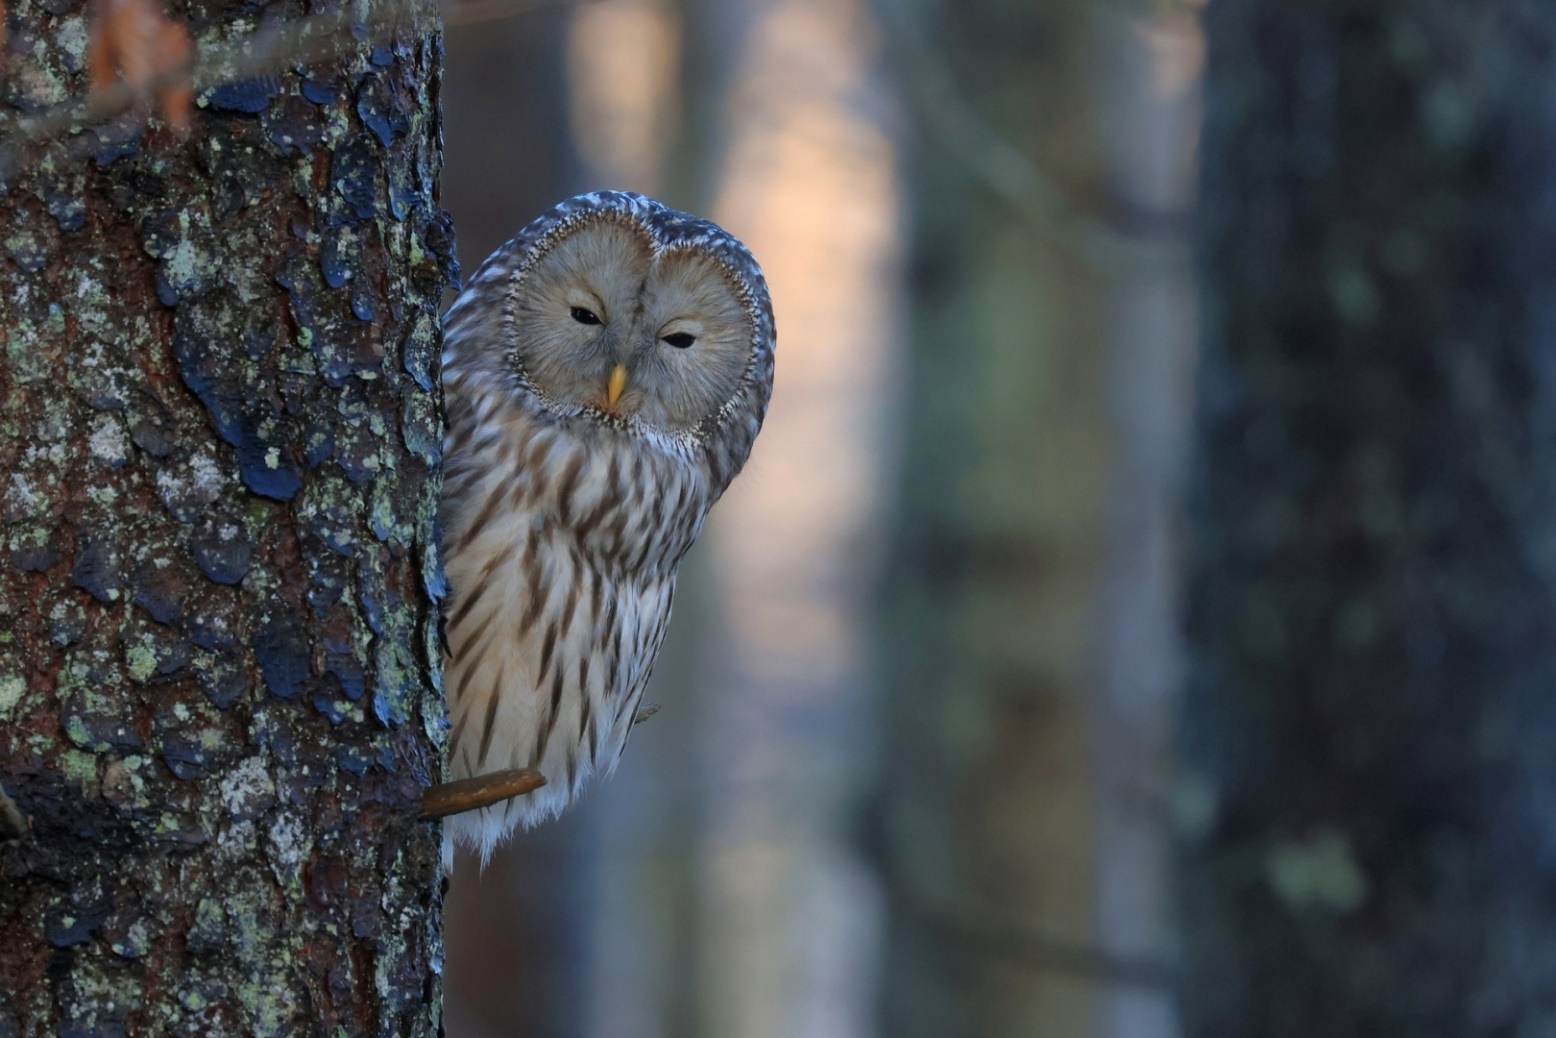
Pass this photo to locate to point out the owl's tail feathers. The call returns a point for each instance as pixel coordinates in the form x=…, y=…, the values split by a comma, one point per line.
x=479, y=831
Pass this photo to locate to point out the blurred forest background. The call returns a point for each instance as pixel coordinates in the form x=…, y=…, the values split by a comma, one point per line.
x=908, y=774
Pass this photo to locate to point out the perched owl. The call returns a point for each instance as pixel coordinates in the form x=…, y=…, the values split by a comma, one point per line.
x=606, y=373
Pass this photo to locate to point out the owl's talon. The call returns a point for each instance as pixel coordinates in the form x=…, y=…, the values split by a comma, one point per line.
x=452, y=798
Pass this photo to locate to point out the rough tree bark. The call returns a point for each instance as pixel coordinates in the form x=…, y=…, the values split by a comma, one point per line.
x=1366, y=807
x=219, y=440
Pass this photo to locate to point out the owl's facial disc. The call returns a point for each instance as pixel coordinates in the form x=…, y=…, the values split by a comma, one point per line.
x=605, y=324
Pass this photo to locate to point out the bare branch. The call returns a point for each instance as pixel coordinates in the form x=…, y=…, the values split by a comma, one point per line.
x=452, y=798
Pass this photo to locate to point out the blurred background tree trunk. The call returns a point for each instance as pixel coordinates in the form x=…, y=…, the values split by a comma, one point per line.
x=219, y=435
x=1028, y=608
x=514, y=955
x=709, y=888
x=1148, y=68
x=1371, y=694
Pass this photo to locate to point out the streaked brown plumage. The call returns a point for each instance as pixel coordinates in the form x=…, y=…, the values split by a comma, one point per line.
x=606, y=374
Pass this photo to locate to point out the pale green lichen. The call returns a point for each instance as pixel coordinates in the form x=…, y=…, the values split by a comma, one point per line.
x=123, y=784
x=289, y=841
x=248, y=786
x=12, y=688
x=270, y=1002
x=73, y=35
x=1195, y=807
x=108, y=441
x=1353, y=293
x=185, y=265
x=76, y=732
x=27, y=344
x=141, y=661
x=22, y=499
x=1317, y=875
x=78, y=766
x=135, y=943
x=1449, y=115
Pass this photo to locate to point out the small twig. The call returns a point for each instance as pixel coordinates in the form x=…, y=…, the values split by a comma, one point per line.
x=644, y=714
x=13, y=824
x=452, y=798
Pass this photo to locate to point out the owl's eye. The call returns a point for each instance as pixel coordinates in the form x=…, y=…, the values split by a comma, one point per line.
x=680, y=340
x=583, y=316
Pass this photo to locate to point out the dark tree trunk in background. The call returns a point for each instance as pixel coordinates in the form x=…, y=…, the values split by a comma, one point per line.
x=219, y=436
x=1366, y=811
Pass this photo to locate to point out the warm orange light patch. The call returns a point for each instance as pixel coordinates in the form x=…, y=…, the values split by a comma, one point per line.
x=135, y=41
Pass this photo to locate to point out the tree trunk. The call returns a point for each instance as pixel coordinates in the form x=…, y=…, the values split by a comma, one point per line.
x=1152, y=109
x=1370, y=714
x=219, y=439
x=992, y=666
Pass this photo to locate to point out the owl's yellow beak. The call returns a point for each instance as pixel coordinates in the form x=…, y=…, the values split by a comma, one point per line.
x=618, y=382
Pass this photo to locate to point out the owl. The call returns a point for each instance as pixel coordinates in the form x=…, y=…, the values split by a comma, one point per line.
x=605, y=374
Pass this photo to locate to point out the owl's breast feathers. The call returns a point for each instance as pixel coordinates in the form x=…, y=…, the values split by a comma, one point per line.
x=561, y=542
x=565, y=516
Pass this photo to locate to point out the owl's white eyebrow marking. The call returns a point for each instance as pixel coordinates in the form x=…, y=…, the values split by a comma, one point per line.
x=595, y=304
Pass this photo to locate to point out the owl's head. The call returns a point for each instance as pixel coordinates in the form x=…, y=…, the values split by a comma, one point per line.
x=616, y=309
